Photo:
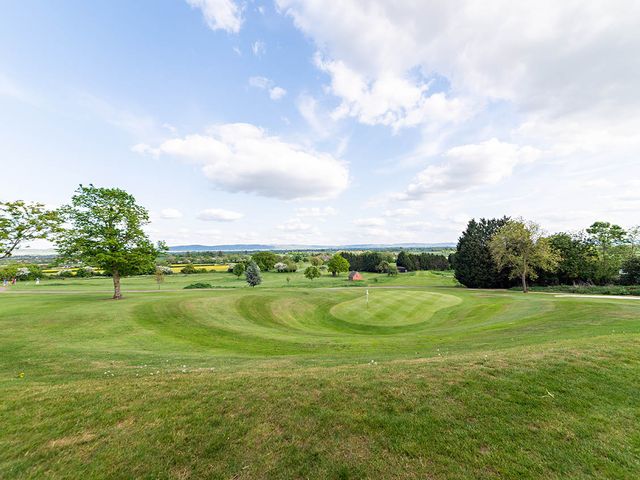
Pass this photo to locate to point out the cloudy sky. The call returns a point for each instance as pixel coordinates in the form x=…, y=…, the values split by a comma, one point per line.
x=318, y=122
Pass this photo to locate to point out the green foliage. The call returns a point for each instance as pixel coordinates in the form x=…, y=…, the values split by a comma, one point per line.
x=520, y=248
x=252, y=274
x=238, y=269
x=392, y=270
x=106, y=230
x=198, y=285
x=312, y=272
x=366, y=261
x=578, y=260
x=265, y=260
x=316, y=261
x=474, y=265
x=422, y=261
x=608, y=239
x=22, y=222
x=338, y=264
x=630, y=271
x=20, y=271
x=85, y=272
x=190, y=269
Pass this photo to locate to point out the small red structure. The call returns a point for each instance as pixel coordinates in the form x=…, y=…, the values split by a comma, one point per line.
x=353, y=276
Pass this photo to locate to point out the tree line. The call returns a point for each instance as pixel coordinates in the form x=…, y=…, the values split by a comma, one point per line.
x=500, y=252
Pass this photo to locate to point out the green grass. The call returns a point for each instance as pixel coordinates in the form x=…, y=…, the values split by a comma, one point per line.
x=429, y=381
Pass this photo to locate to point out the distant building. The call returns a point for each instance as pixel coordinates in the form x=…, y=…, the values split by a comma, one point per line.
x=353, y=276
x=402, y=270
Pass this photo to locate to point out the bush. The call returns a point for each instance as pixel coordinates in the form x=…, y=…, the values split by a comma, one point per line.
x=198, y=285
x=164, y=270
x=85, y=272
x=238, y=269
x=312, y=272
x=64, y=273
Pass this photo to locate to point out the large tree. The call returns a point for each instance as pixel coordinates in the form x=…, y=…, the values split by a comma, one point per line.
x=22, y=222
x=608, y=239
x=520, y=247
x=265, y=260
x=338, y=264
x=474, y=265
x=106, y=231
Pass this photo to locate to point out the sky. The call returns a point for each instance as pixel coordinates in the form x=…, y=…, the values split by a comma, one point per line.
x=317, y=122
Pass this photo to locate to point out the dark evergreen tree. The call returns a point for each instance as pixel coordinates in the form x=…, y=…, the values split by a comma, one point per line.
x=474, y=266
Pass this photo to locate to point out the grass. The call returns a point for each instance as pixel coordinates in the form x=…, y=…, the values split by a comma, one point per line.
x=429, y=381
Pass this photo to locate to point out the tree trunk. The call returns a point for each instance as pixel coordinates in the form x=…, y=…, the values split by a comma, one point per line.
x=525, y=289
x=117, y=295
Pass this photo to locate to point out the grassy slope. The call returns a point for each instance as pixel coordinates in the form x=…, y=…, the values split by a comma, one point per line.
x=279, y=383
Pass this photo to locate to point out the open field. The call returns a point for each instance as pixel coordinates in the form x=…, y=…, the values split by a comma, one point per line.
x=427, y=381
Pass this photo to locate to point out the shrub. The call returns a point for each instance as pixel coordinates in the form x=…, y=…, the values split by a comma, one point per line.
x=84, y=272
x=198, y=285
x=164, y=270
x=65, y=273
x=188, y=269
x=312, y=272
x=238, y=269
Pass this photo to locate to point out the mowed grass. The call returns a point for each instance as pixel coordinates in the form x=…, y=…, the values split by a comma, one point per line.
x=428, y=381
x=178, y=281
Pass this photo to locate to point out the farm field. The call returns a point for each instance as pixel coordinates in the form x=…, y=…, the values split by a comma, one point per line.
x=428, y=380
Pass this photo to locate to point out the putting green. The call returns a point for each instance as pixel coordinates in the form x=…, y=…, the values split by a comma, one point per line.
x=393, y=308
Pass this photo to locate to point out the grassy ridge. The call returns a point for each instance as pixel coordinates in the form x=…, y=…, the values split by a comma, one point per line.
x=430, y=382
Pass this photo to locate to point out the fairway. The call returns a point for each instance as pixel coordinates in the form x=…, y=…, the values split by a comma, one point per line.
x=428, y=379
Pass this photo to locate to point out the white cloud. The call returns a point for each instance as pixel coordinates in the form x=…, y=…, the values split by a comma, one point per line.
x=258, y=48
x=240, y=157
x=469, y=166
x=170, y=213
x=316, y=212
x=390, y=99
x=295, y=225
x=369, y=222
x=263, y=83
x=220, y=14
x=219, y=215
x=276, y=93
x=400, y=212
x=567, y=68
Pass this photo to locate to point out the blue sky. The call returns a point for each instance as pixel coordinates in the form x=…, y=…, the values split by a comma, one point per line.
x=323, y=123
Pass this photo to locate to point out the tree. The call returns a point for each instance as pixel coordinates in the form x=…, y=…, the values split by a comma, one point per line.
x=312, y=272
x=383, y=266
x=407, y=261
x=238, y=269
x=265, y=260
x=316, y=261
x=521, y=248
x=159, y=276
x=338, y=264
x=631, y=271
x=252, y=274
x=633, y=239
x=22, y=222
x=607, y=237
x=578, y=260
x=106, y=232
x=392, y=270
x=474, y=265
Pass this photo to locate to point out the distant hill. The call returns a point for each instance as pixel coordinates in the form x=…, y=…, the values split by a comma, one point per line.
x=255, y=247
